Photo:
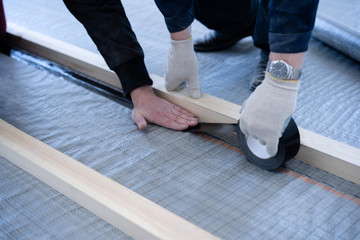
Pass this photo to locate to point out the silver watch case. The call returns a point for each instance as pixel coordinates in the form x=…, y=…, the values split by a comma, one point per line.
x=282, y=70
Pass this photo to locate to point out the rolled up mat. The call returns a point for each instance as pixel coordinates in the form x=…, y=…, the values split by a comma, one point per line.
x=2, y=21
x=338, y=35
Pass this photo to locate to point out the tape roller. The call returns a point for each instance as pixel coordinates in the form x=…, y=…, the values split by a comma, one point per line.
x=256, y=153
x=253, y=150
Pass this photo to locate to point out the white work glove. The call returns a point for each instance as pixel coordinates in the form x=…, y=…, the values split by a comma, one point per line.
x=266, y=113
x=182, y=66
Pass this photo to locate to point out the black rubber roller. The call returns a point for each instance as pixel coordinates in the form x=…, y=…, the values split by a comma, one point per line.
x=289, y=145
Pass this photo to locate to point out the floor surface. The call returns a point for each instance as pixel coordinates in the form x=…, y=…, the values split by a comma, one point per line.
x=197, y=177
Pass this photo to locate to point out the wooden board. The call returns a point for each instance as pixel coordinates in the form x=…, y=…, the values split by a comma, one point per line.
x=128, y=211
x=321, y=152
x=61, y=52
x=208, y=109
x=329, y=155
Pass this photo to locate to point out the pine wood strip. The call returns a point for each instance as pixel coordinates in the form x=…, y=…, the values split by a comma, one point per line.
x=321, y=152
x=329, y=155
x=208, y=109
x=128, y=211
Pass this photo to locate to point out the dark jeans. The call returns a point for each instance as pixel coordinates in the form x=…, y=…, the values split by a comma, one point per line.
x=232, y=16
x=282, y=26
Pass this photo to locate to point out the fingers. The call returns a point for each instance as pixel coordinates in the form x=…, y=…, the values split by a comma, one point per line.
x=173, y=84
x=262, y=142
x=243, y=127
x=148, y=108
x=181, y=86
x=183, y=111
x=182, y=116
x=173, y=80
x=182, y=65
x=194, y=87
x=272, y=147
x=138, y=119
x=176, y=118
x=195, y=93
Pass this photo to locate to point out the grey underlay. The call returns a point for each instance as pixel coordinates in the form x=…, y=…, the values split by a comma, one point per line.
x=206, y=183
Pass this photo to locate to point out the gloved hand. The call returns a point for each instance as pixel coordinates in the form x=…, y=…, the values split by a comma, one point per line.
x=266, y=113
x=182, y=66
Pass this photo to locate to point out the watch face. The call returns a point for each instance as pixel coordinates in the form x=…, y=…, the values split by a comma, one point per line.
x=279, y=69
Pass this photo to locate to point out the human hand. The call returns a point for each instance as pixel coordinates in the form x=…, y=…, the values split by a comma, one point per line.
x=182, y=66
x=148, y=108
x=265, y=114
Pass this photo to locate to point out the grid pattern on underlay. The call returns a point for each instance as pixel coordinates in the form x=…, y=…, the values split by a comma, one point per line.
x=32, y=210
x=194, y=176
x=328, y=97
x=207, y=183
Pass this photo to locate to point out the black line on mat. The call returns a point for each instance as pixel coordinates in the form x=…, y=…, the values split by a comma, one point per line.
x=89, y=83
x=93, y=85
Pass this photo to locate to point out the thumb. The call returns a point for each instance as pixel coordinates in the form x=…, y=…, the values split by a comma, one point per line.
x=272, y=147
x=139, y=119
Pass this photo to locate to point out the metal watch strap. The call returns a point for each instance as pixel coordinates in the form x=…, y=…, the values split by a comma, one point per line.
x=292, y=73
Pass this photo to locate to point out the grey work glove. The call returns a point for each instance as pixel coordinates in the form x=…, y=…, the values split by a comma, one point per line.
x=182, y=66
x=266, y=113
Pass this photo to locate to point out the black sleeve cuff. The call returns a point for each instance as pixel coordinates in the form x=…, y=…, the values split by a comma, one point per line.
x=132, y=74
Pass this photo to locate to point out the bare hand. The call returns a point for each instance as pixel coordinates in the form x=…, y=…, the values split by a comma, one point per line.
x=148, y=108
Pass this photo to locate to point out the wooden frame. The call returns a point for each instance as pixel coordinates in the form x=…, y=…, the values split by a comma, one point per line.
x=128, y=211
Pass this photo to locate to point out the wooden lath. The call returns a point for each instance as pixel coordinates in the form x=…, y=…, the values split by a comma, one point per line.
x=322, y=152
x=126, y=210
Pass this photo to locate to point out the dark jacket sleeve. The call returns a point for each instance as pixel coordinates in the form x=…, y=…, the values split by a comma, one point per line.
x=109, y=28
x=2, y=21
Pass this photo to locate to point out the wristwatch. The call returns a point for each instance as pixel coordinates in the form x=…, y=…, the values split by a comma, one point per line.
x=282, y=70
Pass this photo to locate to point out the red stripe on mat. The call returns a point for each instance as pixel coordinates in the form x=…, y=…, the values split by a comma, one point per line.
x=289, y=172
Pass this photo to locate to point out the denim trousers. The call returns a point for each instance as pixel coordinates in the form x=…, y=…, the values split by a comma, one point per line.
x=281, y=26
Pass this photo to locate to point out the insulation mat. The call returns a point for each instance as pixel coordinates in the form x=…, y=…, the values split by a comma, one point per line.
x=330, y=88
x=199, y=178
x=338, y=25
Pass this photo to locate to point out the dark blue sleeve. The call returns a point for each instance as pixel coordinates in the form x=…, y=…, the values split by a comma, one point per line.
x=178, y=14
x=291, y=24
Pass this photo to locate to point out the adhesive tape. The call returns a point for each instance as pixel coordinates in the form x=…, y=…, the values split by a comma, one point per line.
x=256, y=153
